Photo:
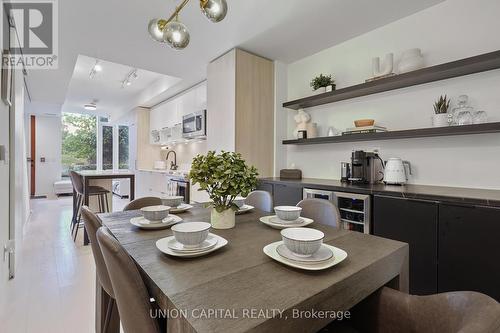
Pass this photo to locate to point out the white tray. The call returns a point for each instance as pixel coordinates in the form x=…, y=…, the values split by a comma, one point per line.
x=244, y=209
x=162, y=245
x=338, y=256
x=267, y=220
x=174, y=219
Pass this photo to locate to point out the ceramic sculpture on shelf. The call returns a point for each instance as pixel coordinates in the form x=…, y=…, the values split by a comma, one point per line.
x=302, y=118
x=411, y=60
x=387, y=65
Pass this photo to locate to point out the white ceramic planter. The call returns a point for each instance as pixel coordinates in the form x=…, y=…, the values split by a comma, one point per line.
x=224, y=220
x=440, y=120
x=320, y=90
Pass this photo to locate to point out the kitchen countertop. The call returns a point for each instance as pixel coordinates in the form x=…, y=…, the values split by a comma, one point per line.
x=473, y=196
x=182, y=173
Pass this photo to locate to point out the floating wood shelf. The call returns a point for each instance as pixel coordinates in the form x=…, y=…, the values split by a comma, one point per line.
x=405, y=134
x=477, y=64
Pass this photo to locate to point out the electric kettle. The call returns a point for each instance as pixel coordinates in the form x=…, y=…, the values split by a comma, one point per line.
x=395, y=171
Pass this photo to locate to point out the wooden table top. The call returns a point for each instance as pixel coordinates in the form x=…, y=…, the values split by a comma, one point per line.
x=106, y=173
x=241, y=278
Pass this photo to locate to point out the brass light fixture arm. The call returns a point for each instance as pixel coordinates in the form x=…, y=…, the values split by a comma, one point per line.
x=162, y=23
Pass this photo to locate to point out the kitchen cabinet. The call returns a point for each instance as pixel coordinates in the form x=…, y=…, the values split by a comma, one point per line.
x=150, y=183
x=416, y=223
x=169, y=113
x=468, y=249
x=240, y=107
x=286, y=195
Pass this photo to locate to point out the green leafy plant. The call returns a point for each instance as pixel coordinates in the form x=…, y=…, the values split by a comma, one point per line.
x=224, y=176
x=442, y=105
x=322, y=81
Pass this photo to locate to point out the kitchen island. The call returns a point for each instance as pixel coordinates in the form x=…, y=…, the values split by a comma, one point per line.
x=101, y=178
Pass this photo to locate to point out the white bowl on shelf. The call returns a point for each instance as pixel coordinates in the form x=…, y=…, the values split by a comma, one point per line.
x=191, y=234
x=288, y=213
x=155, y=213
x=303, y=242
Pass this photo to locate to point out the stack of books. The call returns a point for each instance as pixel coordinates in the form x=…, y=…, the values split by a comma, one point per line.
x=364, y=129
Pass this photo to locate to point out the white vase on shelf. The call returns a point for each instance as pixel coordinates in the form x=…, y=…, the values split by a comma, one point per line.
x=441, y=120
x=411, y=60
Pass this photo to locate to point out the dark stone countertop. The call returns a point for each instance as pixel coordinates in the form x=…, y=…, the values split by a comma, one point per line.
x=459, y=195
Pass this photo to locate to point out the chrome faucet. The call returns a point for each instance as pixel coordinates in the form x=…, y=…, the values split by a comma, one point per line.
x=173, y=164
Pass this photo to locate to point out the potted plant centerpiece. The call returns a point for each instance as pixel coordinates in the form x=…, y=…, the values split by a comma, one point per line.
x=441, y=117
x=224, y=176
x=323, y=83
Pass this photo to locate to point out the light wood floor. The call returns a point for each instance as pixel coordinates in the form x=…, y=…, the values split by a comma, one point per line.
x=54, y=287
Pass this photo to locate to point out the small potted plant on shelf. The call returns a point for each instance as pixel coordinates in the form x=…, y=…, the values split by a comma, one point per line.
x=224, y=176
x=323, y=83
x=441, y=117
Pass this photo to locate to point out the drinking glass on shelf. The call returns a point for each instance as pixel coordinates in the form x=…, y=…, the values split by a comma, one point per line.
x=464, y=118
x=479, y=117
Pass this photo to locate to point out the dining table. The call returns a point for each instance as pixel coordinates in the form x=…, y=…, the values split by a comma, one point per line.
x=238, y=288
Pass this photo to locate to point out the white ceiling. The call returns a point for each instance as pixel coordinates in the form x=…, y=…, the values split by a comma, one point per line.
x=106, y=87
x=284, y=30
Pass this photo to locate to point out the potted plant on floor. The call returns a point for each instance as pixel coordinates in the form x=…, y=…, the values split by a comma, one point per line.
x=224, y=176
x=441, y=117
x=323, y=83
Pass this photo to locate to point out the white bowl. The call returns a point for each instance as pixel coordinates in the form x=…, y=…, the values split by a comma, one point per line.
x=172, y=201
x=239, y=201
x=155, y=213
x=302, y=241
x=191, y=234
x=287, y=213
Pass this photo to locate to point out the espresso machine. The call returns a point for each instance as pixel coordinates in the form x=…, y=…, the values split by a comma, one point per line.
x=366, y=167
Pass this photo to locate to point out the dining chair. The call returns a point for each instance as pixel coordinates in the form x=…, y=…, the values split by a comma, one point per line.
x=389, y=310
x=321, y=211
x=142, y=202
x=130, y=292
x=92, y=224
x=261, y=200
x=94, y=191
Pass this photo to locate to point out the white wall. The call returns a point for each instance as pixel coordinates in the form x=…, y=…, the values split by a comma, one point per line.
x=449, y=31
x=48, y=145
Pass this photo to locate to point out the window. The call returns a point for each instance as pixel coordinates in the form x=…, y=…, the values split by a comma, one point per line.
x=123, y=147
x=79, y=142
x=107, y=147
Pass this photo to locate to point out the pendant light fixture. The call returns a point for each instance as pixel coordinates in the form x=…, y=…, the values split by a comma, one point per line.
x=175, y=33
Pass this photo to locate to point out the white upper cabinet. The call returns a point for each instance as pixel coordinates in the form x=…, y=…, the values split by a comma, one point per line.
x=170, y=113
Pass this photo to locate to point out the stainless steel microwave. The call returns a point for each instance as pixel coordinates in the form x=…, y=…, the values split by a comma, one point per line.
x=194, y=124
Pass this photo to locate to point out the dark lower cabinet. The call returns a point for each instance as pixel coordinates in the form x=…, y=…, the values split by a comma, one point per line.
x=469, y=249
x=416, y=223
x=262, y=186
x=286, y=195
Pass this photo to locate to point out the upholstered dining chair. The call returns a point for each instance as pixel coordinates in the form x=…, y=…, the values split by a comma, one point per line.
x=261, y=200
x=102, y=200
x=92, y=224
x=389, y=310
x=142, y=202
x=130, y=292
x=321, y=211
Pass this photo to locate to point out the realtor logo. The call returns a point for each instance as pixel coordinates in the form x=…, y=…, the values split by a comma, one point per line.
x=29, y=32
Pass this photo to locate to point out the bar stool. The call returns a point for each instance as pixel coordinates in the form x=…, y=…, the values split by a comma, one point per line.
x=93, y=191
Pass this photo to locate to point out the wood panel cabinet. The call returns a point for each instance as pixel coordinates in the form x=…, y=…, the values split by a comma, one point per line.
x=469, y=245
x=416, y=223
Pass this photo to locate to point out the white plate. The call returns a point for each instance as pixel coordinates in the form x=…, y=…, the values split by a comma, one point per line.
x=181, y=208
x=338, y=256
x=162, y=245
x=244, y=209
x=276, y=220
x=173, y=244
x=167, y=222
x=324, y=253
x=268, y=221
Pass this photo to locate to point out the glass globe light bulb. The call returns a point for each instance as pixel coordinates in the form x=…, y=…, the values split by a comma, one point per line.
x=176, y=35
x=154, y=30
x=214, y=10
